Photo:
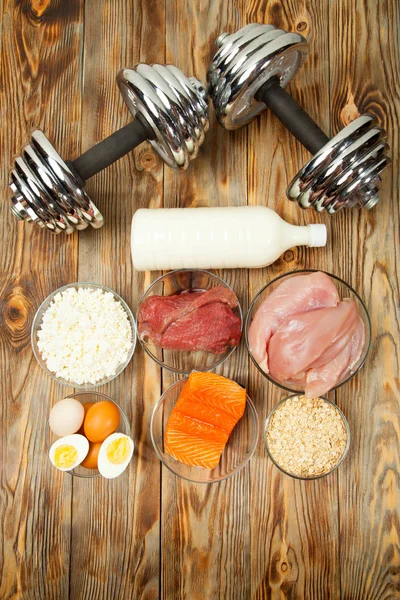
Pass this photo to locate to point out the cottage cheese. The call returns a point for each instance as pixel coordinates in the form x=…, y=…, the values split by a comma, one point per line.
x=85, y=335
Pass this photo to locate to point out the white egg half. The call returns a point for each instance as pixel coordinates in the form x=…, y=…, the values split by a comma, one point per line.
x=114, y=455
x=66, y=417
x=68, y=452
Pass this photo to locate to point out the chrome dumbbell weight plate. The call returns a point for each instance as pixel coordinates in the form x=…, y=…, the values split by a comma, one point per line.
x=68, y=183
x=62, y=208
x=171, y=111
x=30, y=187
x=173, y=105
x=345, y=172
x=46, y=191
x=230, y=46
x=244, y=62
x=249, y=73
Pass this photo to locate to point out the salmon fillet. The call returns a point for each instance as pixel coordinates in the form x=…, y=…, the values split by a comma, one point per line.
x=207, y=410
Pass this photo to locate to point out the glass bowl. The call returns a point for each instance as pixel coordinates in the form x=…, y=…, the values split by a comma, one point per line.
x=83, y=397
x=37, y=322
x=344, y=291
x=319, y=475
x=239, y=449
x=182, y=361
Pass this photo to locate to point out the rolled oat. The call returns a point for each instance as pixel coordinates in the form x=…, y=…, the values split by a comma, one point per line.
x=306, y=436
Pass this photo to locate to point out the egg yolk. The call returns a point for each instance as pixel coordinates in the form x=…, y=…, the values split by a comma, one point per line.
x=118, y=451
x=65, y=456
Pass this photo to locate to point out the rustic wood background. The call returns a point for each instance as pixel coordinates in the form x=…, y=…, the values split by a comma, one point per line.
x=148, y=535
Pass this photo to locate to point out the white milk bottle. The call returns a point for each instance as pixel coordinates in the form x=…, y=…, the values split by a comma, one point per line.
x=211, y=238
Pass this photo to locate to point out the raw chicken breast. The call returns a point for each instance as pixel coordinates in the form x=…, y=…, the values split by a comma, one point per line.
x=302, y=339
x=357, y=345
x=322, y=378
x=339, y=343
x=300, y=294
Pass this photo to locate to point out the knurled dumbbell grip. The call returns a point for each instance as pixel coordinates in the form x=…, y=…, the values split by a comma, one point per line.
x=293, y=117
x=112, y=148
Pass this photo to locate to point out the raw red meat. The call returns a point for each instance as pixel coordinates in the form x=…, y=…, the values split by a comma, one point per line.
x=199, y=320
x=154, y=311
x=213, y=328
x=161, y=311
x=296, y=295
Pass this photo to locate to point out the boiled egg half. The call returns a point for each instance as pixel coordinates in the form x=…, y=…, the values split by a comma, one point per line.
x=68, y=452
x=114, y=455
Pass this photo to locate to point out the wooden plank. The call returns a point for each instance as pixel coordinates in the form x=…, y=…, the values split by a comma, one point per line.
x=115, y=535
x=294, y=525
x=260, y=534
x=40, y=85
x=207, y=526
x=369, y=482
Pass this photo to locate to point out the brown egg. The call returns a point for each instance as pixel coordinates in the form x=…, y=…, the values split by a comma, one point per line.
x=86, y=406
x=101, y=420
x=90, y=461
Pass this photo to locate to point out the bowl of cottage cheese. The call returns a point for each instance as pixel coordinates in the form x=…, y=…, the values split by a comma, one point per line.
x=83, y=335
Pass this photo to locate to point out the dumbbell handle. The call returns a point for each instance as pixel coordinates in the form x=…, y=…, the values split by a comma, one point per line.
x=112, y=148
x=293, y=117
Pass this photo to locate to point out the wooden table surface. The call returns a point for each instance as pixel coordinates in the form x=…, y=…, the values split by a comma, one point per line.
x=147, y=534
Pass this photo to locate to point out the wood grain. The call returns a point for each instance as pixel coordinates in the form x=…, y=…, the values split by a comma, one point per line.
x=115, y=524
x=148, y=535
x=40, y=85
x=369, y=483
x=207, y=525
x=294, y=530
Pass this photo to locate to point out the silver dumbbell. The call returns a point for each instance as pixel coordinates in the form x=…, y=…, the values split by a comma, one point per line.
x=170, y=110
x=249, y=73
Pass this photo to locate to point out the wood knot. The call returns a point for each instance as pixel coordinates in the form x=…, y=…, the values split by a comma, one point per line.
x=349, y=112
x=39, y=7
x=58, y=12
x=288, y=256
x=148, y=161
x=15, y=312
x=37, y=10
x=283, y=568
x=302, y=26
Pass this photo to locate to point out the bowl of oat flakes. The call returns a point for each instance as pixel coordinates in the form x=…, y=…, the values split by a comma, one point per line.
x=306, y=438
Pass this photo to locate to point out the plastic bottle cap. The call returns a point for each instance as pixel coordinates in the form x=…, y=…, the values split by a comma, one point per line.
x=318, y=236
